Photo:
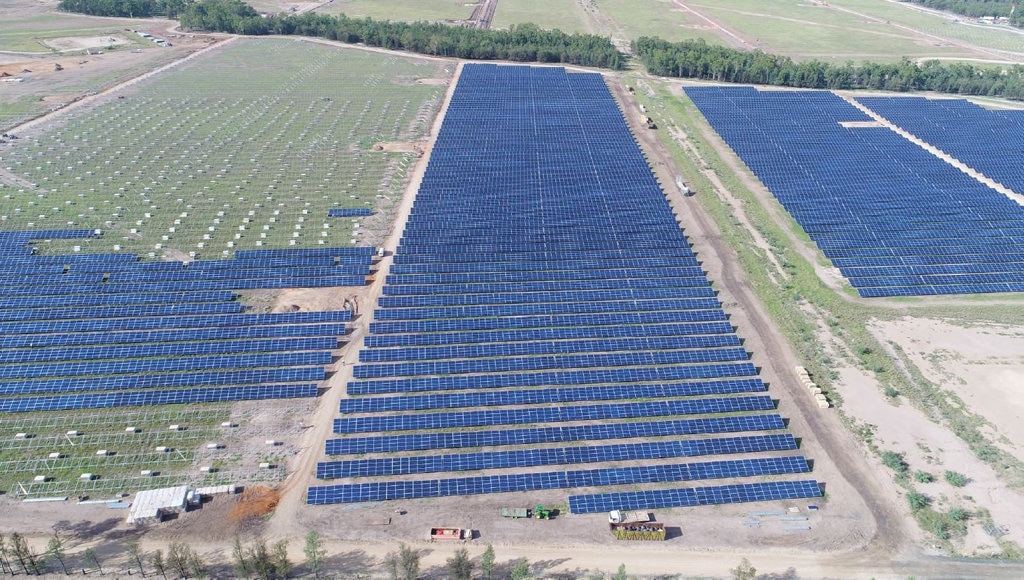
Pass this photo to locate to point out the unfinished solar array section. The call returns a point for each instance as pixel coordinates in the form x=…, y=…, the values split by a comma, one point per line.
x=108, y=330
x=895, y=219
x=545, y=320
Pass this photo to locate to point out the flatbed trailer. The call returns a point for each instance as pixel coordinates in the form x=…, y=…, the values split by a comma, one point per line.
x=648, y=531
x=450, y=534
x=515, y=513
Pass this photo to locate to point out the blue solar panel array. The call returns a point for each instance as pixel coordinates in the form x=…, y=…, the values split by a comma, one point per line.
x=543, y=284
x=349, y=212
x=895, y=219
x=107, y=330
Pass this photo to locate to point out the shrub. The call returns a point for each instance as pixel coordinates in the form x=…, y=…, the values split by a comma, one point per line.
x=955, y=478
x=918, y=501
x=923, y=476
x=958, y=514
x=895, y=462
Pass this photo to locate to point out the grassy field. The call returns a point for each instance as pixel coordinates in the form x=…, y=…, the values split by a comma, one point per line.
x=806, y=31
x=403, y=10
x=636, y=18
x=246, y=149
x=993, y=37
x=565, y=15
x=24, y=32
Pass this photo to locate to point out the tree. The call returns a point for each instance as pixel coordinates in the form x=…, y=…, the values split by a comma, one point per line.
x=135, y=555
x=92, y=560
x=260, y=560
x=157, y=559
x=30, y=562
x=196, y=568
x=521, y=571
x=404, y=564
x=460, y=567
x=282, y=567
x=487, y=563
x=239, y=559
x=315, y=553
x=178, y=559
x=620, y=574
x=5, y=563
x=745, y=571
x=55, y=549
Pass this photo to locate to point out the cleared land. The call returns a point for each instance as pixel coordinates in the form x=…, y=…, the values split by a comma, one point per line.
x=224, y=154
x=404, y=10
x=566, y=15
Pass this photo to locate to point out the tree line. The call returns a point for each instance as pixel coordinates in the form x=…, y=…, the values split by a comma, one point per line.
x=699, y=60
x=976, y=8
x=125, y=8
x=522, y=43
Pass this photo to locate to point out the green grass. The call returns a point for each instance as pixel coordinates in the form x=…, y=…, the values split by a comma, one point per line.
x=565, y=15
x=636, y=18
x=246, y=149
x=23, y=33
x=401, y=10
x=22, y=460
x=804, y=31
x=993, y=37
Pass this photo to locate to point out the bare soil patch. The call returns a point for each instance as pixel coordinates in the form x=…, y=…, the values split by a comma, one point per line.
x=433, y=82
x=400, y=147
x=69, y=43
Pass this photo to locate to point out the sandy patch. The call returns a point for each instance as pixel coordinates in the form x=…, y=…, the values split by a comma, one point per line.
x=983, y=365
x=84, y=42
x=400, y=147
x=434, y=82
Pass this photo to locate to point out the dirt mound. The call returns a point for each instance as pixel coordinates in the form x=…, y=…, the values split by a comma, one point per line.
x=255, y=502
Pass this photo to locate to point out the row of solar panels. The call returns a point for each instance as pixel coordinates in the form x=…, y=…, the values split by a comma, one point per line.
x=550, y=378
x=161, y=397
x=68, y=287
x=163, y=380
x=443, y=259
x=556, y=434
x=546, y=362
x=403, y=490
x=537, y=348
x=298, y=262
x=497, y=398
x=168, y=322
x=173, y=349
x=521, y=458
x=540, y=334
x=253, y=332
x=549, y=321
x=546, y=308
x=560, y=414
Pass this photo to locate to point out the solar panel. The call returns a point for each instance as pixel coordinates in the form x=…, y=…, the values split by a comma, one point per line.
x=696, y=496
x=533, y=435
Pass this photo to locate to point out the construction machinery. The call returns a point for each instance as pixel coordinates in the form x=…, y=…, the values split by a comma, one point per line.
x=515, y=513
x=628, y=517
x=541, y=513
x=450, y=534
x=649, y=531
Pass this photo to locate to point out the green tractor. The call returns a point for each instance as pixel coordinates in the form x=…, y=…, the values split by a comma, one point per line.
x=541, y=513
